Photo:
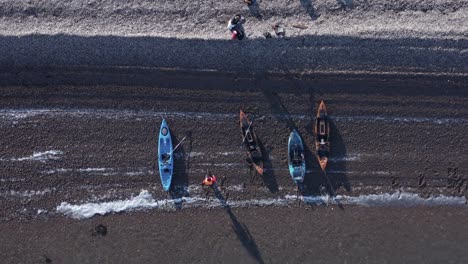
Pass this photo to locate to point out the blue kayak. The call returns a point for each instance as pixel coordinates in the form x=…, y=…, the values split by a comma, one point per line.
x=296, y=161
x=165, y=157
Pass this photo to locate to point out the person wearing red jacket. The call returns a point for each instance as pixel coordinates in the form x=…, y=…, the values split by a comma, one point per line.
x=209, y=180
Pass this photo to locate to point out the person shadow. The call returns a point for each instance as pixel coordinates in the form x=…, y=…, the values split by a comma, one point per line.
x=309, y=7
x=179, y=186
x=241, y=230
x=254, y=9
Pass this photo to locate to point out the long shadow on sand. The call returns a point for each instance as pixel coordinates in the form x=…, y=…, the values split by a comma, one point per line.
x=346, y=4
x=312, y=181
x=240, y=229
x=254, y=9
x=309, y=7
x=279, y=109
x=209, y=64
x=179, y=186
x=308, y=52
x=337, y=167
x=268, y=177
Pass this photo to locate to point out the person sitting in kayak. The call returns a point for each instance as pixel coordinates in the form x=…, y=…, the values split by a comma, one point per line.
x=235, y=22
x=298, y=156
x=166, y=157
x=235, y=26
x=209, y=180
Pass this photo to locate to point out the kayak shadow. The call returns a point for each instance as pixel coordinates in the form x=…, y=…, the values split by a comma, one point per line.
x=241, y=230
x=338, y=156
x=279, y=110
x=268, y=177
x=313, y=182
x=179, y=186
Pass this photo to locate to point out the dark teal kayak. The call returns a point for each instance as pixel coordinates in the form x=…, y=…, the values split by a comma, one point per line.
x=296, y=159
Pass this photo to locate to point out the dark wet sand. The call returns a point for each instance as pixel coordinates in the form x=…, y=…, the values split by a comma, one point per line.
x=109, y=119
x=249, y=235
x=389, y=133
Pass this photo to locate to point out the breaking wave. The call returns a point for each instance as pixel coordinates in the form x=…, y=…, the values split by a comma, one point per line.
x=146, y=201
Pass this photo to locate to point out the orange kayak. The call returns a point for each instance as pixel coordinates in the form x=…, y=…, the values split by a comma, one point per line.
x=322, y=136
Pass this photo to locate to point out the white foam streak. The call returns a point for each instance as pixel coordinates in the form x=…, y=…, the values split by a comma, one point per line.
x=41, y=156
x=221, y=164
x=146, y=201
x=355, y=157
x=30, y=193
x=394, y=119
x=259, y=202
x=95, y=169
x=100, y=171
x=143, y=201
x=12, y=179
x=204, y=154
x=401, y=199
x=15, y=114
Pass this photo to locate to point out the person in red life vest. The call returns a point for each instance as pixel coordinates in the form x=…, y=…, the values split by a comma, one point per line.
x=235, y=26
x=209, y=180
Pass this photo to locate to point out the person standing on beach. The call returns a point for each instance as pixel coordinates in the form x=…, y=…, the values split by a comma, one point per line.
x=209, y=183
x=235, y=26
x=209, y=180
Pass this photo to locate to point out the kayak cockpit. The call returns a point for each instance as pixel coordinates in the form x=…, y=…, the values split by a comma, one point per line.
x=249, y=139
x=297, y=157
x=166, y=157
x=322, y=130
